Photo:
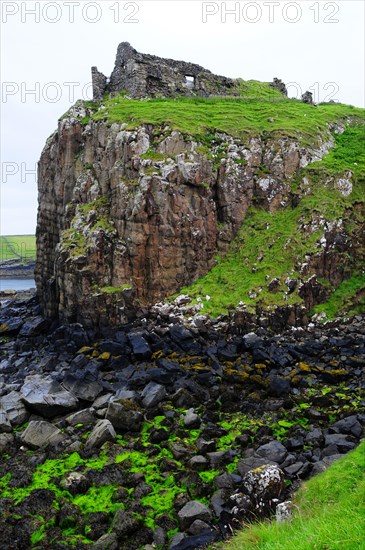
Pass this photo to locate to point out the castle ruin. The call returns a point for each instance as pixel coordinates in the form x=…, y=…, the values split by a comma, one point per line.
x=144, y=75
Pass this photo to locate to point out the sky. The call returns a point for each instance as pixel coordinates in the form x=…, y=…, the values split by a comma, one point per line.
x=48, y=48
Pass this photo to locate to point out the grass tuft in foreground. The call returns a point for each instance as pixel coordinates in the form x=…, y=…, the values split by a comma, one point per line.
x=330, y=513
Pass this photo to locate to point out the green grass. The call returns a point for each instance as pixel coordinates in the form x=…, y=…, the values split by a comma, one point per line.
x=22, y=247
x=343, y=297
x=260, y=110
x=329, y=513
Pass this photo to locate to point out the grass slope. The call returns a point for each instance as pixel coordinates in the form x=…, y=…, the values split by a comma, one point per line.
x=22, y=247
x=258, y=109
x=274, y=245
x=330, y=513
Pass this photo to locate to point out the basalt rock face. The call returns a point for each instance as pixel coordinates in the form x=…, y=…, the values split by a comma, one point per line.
x=128, y=217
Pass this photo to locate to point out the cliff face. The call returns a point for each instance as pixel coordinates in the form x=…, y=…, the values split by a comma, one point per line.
x=128, y=217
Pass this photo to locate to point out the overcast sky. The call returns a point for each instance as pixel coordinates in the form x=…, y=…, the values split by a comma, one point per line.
x=47, y=49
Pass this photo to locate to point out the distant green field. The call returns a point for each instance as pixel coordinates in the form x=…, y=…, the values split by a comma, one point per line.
x=21, y=247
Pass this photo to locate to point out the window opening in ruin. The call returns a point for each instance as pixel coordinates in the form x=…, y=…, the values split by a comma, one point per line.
x=189, y=80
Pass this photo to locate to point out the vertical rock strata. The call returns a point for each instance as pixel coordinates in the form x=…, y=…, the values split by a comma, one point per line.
x=127, y=217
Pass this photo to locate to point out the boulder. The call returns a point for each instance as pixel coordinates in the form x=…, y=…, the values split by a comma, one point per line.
x=140, y=346
x=75, y=483
x=205, y=538
x=273, y=452
x=125, y=415
x=125, y=523
x=5, y=425
x=258, y=491
x=41, y=434
x=108, y=541
x=11, y=326
x=339, y=443
x=349, y=425
x=85, y=416
x=191, y=419
x=83, y=385
x=279, y=387
x=6, y=439
x=197, y=527
x=46, y=396
x=14, y=407
x=152, y=395
x=192, y=511
x=34, y=327
x=102, y=432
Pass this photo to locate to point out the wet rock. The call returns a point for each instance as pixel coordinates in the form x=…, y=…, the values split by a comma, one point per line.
x=159, y=537
x=6, y=367
x=46, y=396
x=34, y=327
x=124, y=415
x=197, y=527
x=176, y=540
x=153, y=394
x=218, y=502
x=125, y=523
x=224, y=481
x=108, y=541
x=293, y=469
x=41, y=434
x=205, y=538
x=191, y=419
x=339, y=442
x=273, y=451
x=5, y=425
x=85, y=416
x=294, y=443
x=140, y=346
x=102, y=432
x=315, y=437
x=6, y=440
x=198, y=463
x=75, y=483
x=251, y=463
x=192, y=511
x=349, y=425
x=11, y=326
x=83, y=385
x=323, y=464
x=279, y=387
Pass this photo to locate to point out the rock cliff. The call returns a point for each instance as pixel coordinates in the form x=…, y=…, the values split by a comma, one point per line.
x=134, y=205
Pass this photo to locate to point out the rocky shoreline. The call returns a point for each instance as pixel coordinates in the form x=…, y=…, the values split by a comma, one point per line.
x=13, y=269
x=165, y=434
